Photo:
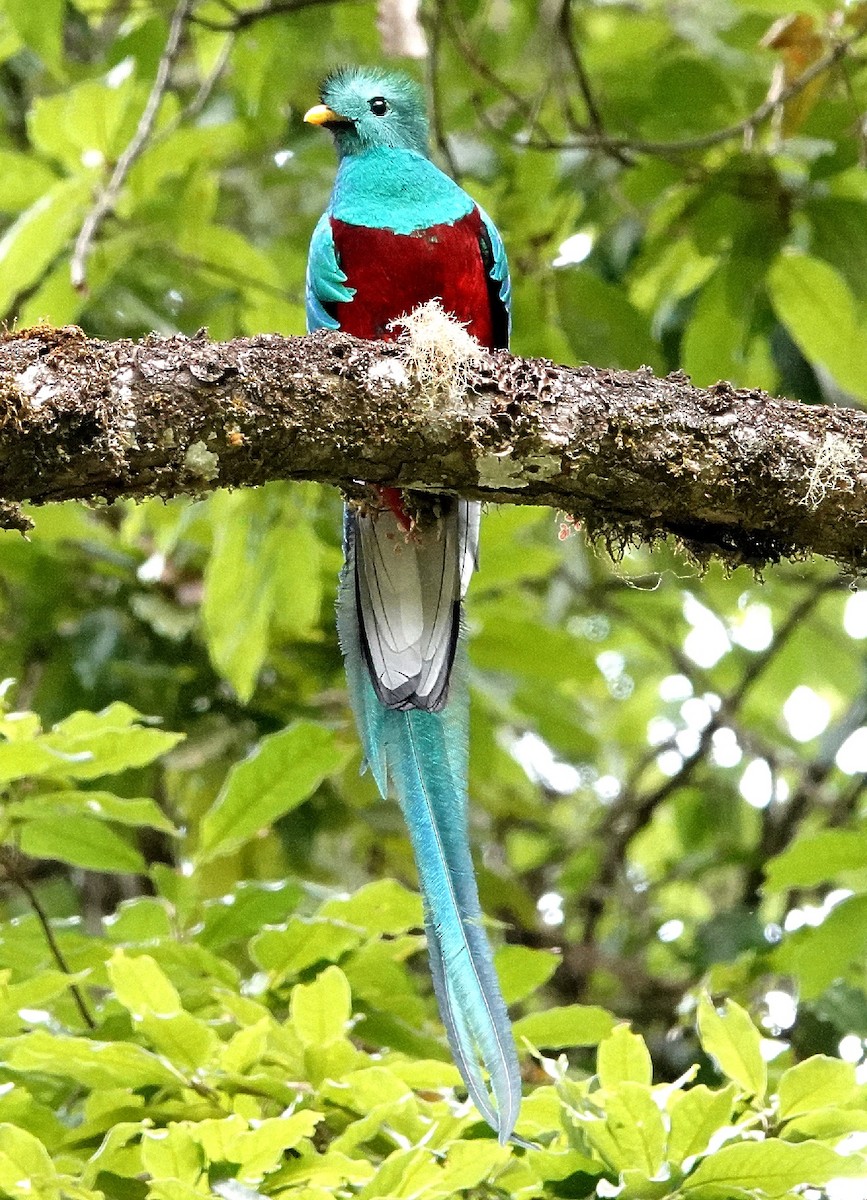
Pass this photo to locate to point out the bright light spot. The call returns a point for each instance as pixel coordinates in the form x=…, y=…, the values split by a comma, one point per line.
x=670, y=931
x=851, y=1048
x=807, y=714
x=696, y=712
x=119, y=74
x=852, y=755
x=815, y=914
x=754, y=629
x=537, y=759
x=281, y=157
x=574, y=250
x=713, y=701
x=92, y=158
x=187, y=867
x=782, y=1010
x=35, y=1016
x=550, y=907
x=669, y=762
x=688, y=742
x=675, y=687
x=757, y=783
x=795, y=918
x=607, y=787
x=773, y=933
x=725, y=751
x=611, y=664
x=771, y=1048
x=855, y=615
x=660, y=730
x=152, y=569
x=843, y=1189
x=708, y=640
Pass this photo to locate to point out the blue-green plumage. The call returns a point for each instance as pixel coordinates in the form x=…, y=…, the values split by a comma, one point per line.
x=398, y=233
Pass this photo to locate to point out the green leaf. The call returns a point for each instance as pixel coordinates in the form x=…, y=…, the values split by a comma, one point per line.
x=733, y=1040
x=382, y=907
x=321, y=1010
x=108, y=741
x=695, y=1117
x=816, y=957
x=717, y=337
x=82, y=842
x=770, y=1168
x=40, y=26
x=602, y=326
x=93, y=1064
x=264, y=569
x=43, y=230
x=522, y=970
x=260, y=1150
x=26, y=1168
x=636, y=1128
x=172, y=1153
x=623, y=1057
x=244, y=911
x=815, y=859
x=23, y=179
x=839, y=227
x=570, y=1025
x=818, y=1082
x=280, y=774
x=142, y=987
x=142, y=920
x=469, y=1164
x=107, y=806
x=304, y=942
x=815, y=304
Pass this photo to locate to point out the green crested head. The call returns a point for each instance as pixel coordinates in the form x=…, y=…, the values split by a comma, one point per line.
x=366, y=108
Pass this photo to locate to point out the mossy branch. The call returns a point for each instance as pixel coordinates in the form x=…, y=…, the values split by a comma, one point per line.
x=634, y=457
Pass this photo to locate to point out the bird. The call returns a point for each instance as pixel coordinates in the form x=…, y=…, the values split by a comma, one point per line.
x=399, y=233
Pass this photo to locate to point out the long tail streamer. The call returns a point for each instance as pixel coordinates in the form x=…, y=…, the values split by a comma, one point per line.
x=423, y=754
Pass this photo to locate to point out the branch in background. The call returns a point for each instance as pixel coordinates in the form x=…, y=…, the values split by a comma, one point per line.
x=634, y=809
x=8, y=859
x=434, y=26
x=731, y=473
x=108, y=197
x=243, y=18
x=746, y=127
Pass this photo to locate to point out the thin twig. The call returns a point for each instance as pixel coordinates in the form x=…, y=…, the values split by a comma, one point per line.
x=564, y=23
x=245, y=17
x=630, y=815
x=529, y=112
x=15, y=877
x=206, y=87
x=109, y=195
x=434, y=27
x=705, y=141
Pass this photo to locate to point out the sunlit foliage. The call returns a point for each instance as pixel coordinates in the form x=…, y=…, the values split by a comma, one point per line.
x=211, y=968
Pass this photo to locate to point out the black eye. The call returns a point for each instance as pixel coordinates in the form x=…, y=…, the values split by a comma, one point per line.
x=378, y=106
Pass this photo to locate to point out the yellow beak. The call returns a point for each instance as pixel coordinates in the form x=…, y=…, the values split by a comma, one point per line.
x=321, y=114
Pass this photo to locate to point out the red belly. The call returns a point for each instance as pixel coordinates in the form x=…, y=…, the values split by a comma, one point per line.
x=393, y=273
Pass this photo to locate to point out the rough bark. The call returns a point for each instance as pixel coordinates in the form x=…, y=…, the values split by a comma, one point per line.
x=632, y=456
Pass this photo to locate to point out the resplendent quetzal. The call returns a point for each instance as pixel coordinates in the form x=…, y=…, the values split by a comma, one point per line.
x=398, y=233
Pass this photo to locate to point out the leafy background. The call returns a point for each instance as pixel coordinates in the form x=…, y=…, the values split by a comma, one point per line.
x=213, y=979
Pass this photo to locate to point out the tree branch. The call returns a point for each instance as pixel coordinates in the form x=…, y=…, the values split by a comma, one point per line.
x=634, y=457
x=109, y=196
